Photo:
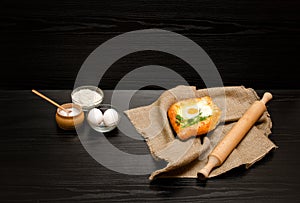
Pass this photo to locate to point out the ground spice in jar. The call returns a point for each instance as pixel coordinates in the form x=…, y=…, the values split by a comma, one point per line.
x=74, y=112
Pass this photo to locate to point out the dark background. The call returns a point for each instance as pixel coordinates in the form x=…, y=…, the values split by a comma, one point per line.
x=252, y=43
x=43, y=45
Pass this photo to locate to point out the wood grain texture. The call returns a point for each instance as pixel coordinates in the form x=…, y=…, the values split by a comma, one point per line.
x=43, y=45
x=40, y=162
x=252, y=43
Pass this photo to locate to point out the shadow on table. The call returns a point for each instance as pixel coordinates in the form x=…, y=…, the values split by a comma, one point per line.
x=172, y=187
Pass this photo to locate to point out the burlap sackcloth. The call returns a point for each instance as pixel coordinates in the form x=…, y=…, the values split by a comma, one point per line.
x=186, y=158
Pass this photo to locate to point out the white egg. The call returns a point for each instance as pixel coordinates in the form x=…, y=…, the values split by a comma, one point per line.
x=95, y=117
x=110, y=117
x=190, y=111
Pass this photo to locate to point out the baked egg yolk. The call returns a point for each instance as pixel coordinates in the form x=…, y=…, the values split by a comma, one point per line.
x=190, y=111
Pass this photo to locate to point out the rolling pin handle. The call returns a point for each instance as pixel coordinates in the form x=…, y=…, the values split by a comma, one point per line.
x=213, y=161
x=267, y=97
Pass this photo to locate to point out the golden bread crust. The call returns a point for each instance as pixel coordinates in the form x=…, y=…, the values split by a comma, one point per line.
x=197, y=127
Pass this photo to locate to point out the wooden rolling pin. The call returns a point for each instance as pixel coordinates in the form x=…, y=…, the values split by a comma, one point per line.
x=234, y=136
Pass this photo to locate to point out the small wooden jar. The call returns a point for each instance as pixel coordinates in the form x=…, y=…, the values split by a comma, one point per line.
x=69, y=122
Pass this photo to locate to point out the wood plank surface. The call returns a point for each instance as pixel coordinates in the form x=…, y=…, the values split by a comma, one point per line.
x=44, y=43
x=41, y=163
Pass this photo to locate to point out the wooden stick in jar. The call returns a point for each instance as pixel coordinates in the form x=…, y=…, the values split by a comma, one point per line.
x=51, y=101
x=235, y=135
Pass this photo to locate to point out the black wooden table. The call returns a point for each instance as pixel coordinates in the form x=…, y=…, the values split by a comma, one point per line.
x=43, y=45
x=40, y=162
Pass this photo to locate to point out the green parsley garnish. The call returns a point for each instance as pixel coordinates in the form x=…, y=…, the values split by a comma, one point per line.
x=188, y=122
